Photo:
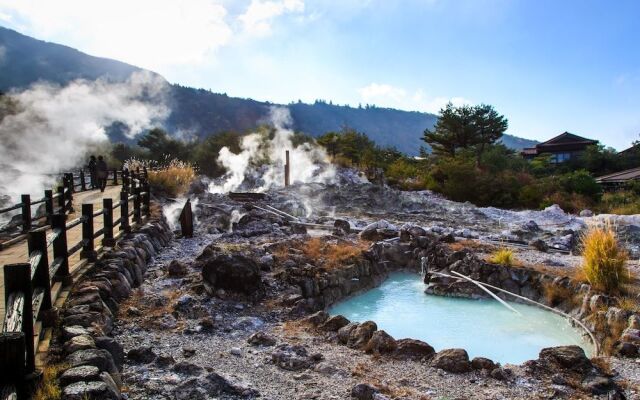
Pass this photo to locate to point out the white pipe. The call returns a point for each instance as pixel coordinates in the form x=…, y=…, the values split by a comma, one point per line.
x=577, y=321
x=284, y=214
x=480, y=285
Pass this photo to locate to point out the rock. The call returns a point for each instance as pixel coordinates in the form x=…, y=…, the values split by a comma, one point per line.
x=113, y=347
x=482, y=363
x=317, y=318
x=141, y=355
x=631, y=335
x=236, y=351
x=187, y=368
x=565, y=357
x=80, y=342
x=381, y=343
x=530, y=226
x=334, y=323
x=586, y=213
x=345, y=332
x=291, y=358
x=598, y=384
x=412, y=349
x=235, y=272
x=452, y=360
x=94, y=390
x=177, y=269
x=247, y=324
x=361, y=335
x=626, y=349
x=165, y=360
x=363, y=391
x=188, y=352
x=266, y=262
x=500, y=374
x=378, y=230
x=634, y=321
x=261, y=339
x=216, y=385
x=97, y=357
x=81, y=373
x=597, y=302
x=539, y=245
x=133, y=312
x=69, y=331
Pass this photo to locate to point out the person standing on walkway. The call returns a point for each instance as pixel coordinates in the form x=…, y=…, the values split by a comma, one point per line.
x=92, y=172
x=101, y=173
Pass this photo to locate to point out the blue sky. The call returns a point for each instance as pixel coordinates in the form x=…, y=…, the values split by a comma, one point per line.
x=548, y=66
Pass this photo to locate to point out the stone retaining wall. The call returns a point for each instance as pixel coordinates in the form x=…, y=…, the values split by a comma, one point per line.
x=92, y=357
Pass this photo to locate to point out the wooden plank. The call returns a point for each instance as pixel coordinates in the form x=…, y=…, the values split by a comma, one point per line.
x=13, y=318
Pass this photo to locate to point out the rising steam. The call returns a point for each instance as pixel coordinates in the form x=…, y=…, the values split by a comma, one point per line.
x=47, y=128
x=309, y=162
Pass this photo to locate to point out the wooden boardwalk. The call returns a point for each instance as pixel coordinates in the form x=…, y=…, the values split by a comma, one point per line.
x=18, y=252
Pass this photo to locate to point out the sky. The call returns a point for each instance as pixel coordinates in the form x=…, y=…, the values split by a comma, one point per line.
x=549, y=66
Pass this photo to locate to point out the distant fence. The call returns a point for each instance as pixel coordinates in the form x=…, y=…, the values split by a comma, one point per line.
x=55, y=202
x=31, y=287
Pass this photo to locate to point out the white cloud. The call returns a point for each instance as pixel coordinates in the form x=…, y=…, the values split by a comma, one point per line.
x=258, y=18
x=148, y=33
x=386, y=95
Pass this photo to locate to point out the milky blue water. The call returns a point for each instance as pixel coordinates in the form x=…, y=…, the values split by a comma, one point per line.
x=484, y=328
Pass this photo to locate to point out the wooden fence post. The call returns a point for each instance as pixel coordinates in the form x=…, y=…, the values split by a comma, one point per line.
x=148, y=197
x=286, y=169
x=137, y=215
x=26, y=213
x=17, y=280
x=61, y=199
x=69, y=193
x=125, y=179
x=13, y=360
x=83, y=184
x=37, y=242
x=60, y=250
x=48, y=204
x=107, y=205
x=124, y=212
x=115, y=176
x=88, y=248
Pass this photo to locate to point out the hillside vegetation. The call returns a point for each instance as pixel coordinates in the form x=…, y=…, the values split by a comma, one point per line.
x=203, y=112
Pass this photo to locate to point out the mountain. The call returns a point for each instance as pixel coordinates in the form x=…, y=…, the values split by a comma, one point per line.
x=25, y=60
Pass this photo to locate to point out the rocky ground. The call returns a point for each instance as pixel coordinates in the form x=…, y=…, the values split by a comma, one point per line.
x=188, y=338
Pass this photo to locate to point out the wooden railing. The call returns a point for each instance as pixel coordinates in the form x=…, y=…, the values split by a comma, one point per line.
x=61, y=200
x=31, y=287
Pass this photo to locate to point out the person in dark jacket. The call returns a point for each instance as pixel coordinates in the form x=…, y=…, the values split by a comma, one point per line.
x=92, y=172
x=101, y=173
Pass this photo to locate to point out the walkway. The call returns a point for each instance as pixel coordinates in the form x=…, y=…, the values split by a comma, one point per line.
x=18, y=252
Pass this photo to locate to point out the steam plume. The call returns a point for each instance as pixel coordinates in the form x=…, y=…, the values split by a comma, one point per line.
x=310, y=162
x=47, y=128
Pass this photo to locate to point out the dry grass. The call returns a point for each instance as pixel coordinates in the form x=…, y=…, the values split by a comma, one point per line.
x=332, y=255
x=556, y=294
x=628, y=304
x=503, y=256
x=174, y=178
x=472, y=245
x=604, y=259
x=48, y=389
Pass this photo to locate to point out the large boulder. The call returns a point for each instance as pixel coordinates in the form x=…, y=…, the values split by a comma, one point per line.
x=334, y=323
x=565, y=357
x=235, y=272
x=361, y=334
x=381, y=343
x=412, y=349
x=452, y=360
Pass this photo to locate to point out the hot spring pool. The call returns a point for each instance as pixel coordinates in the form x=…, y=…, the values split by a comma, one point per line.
x=484, y=328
